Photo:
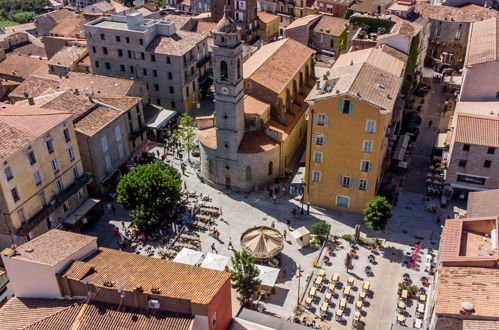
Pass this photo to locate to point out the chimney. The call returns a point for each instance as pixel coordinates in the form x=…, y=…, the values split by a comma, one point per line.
x=318, y=84
x=30, y=99
x=77, y=92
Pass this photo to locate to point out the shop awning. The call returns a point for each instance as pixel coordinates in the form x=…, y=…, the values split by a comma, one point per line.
x=440, y=143
x=268, y=275
x=467, y=187
x=81, y=211
x=159, y=119
x=137, y=151
x=215, y=261
x=299, y=176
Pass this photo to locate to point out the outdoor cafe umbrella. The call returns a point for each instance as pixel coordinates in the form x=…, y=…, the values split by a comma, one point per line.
x=268, y=275
x=188, y=256
x=262, y=242
x=215, y=261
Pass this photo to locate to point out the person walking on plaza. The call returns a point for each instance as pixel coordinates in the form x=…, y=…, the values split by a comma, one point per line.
x=182, y=167
x=116, y=231
x=284, y=234
x=123, y=225
x=229, y=245
x=288, y=222
x=213, y=249
x=430, y=123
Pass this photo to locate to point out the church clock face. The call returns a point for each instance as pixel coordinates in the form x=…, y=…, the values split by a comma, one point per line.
x=225, y=90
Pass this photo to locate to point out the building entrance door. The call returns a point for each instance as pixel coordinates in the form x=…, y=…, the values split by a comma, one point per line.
x=228, y=181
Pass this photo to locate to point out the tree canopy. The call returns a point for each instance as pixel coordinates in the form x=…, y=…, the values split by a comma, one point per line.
x=377, y=213
x=321, y=230
x=150, y=191
x=245, y=275
x=185, y=133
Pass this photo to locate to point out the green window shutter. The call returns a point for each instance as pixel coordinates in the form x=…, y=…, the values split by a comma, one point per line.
x=350, y=110
x=341, y=106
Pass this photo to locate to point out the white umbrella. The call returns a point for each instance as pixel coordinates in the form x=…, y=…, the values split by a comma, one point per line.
x=268, y=275
x=215, y=261
x=188, y=256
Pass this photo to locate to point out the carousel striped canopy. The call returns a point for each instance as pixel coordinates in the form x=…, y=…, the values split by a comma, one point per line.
x=262, y=242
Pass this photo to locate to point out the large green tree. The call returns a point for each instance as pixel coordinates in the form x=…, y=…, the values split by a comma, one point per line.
x=186, y=134
x=245, y=276
x=150, y=191
x=377, y=213
x=321, y=230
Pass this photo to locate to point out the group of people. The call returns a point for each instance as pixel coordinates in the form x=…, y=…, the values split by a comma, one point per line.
x=277, y=191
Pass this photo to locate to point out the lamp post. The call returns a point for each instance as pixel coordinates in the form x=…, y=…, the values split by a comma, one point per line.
x=299, y=276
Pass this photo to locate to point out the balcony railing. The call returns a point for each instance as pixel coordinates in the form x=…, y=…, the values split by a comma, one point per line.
x=203, y=60
x=190, y=62
x=191, y=77
x=57, y=201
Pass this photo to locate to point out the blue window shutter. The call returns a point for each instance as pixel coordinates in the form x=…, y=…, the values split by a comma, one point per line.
x=341, y=106
x=350, y=110
x=357, y=183
x=314, y=119
x=370, y=167
x=325, y=140
x=326, y=120
x=340, y=180
x=314, y=138
x=368, y=185
x=351, y=183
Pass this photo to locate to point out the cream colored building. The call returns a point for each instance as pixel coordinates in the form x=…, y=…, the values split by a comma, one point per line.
x=347, y=135
x=41, y=178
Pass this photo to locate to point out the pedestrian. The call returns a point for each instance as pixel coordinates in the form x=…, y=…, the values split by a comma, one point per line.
x=157, y=153
x=274, y=198
x=293, y=212
x=163, y=158
x=276, y=190
x=213, y=248
x=185, y=185
x=229, y=245
x=449, y=216
x=439, y=219
x=270, y=192
x=430, y=123
x=182, y=167
x=123, y=225
x=288, y=222
x=273, y=224
x=116, y=231
x=109, y=207
x=284, y=234
x=284, y=269
x=218, y=235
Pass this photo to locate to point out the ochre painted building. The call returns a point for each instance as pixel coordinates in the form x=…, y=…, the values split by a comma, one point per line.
x=347, y=138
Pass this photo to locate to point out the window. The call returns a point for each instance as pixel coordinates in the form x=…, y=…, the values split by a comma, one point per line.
x=103, y=142
x=366, y=166
x=60, y=186
x=102, y=36
x=50, y=146
x=170, y=76
x=155, y=73
x=462, y=163
x=37, y=177
x=363, y=184
x=491, y=151
x=487, y=163
x=117, y=133
x=142, y=56
x=319, y=139
x=122, y=68
x=248, y=173
x=120, y=150
x=370, y=126
x=67, y=136
x=76, y=173
x=318, y=157
x=466, y=147
x=65, y=207
x=153, y=58
x=132, y=69
x=104, y=50
x=271, y=168
x=141, y=42
x=156, y=87
x=32, y=158
x=342, y=201
x=8, y=173
x=458, y=35
x=71, y=154
x=223, y=70
x=55, y=167
x=144, y=71
x=346, y=181
x=158, y=101
x=120, y=53
x=118, y=38
x=108, y=66
x=367, y=146
x=171, y=90
x=108, y=161
x=129, y=54
x=94, y=50
x=346, y=107
x=320, y=119
x=15, y=194
x=316, y=176
x=173, y=104
x=96, y=64
x=127, y=40
x=187, y=90
x=168, y=60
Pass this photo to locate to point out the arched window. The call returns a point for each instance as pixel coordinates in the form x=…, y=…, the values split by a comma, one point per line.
x=238, y=69
x=223, y=70
x=248, y=173
x=271, y=167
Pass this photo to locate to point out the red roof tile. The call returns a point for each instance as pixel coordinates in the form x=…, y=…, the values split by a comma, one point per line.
x=477, y=129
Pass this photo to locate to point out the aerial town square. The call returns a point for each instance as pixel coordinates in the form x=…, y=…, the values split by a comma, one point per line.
x=249, y=164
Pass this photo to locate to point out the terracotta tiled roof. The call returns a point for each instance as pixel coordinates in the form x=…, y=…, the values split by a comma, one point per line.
x=21, y=313
x=253, y=143
x=479, y=286
x=96, y=120
x=178, y=44
x=63, y=314
x=266, y=17
x=18, y=28
x=119, y=7
x=483, y=44
x=101, y=6
x=480, y=325
x=453, y=14
x=69, y=27
x=451, y=239
x=76, y=104
x=205, y=27
x=471, y=6
x=97, y=83
x=128, y=271
x=302, y=21
x=179, y=20
x=477, y=129
x=20, y=125
x=123, y=103
x=54, y=246
x=367, y=6
x=255, y=106
x=35, y=86
x=20, y=66
x=331, y=25
x=483, y=204
x=479, y=108
x=274, y=65
x=208, y=137
x=59, y=15
x=67, y=56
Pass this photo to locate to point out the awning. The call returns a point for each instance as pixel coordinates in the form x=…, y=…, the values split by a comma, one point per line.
x=215, y=261
x=467, y=187
x=328, y=52
x=159, y=119
x=137, y=151
x=81, y=211
x=268, y=275
x=188, y=256
x=440, y=143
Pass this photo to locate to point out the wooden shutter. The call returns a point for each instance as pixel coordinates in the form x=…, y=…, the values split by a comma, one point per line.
x=341, y=106
x=326, y=120
x=314, y=138
x=324, y=139
x=368, y=185
x=350, y=110
x=370, y=167
x=340, y=181
x=351, y=183
x=357, y=183
x=314, y=118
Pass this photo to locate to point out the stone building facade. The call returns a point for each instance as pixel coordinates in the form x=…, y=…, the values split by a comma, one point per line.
x=152, y=51
x=244, y=14
x=259, y=121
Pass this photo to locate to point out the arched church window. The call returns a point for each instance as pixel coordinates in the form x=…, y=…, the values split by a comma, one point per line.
x=223, y=70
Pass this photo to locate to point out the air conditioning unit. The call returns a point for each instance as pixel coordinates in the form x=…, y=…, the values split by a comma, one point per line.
x=153, y=303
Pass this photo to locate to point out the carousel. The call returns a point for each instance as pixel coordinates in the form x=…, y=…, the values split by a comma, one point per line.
x=264, y=243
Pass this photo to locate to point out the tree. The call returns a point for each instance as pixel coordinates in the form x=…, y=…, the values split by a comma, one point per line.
x=22, y=17
x=377, y=213
x=245, y=275
x=185, y=133
x=321, y=230
x=150, y=190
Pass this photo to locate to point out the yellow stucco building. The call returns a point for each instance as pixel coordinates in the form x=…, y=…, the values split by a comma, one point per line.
x=349, y=118
x=269, y=26
x=41, y=174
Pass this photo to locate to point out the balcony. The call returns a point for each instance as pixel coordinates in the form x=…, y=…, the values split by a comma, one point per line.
x=203, y=60
x=205, y=76
x=190, y=77
x=57, y=201
x=190, y=62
